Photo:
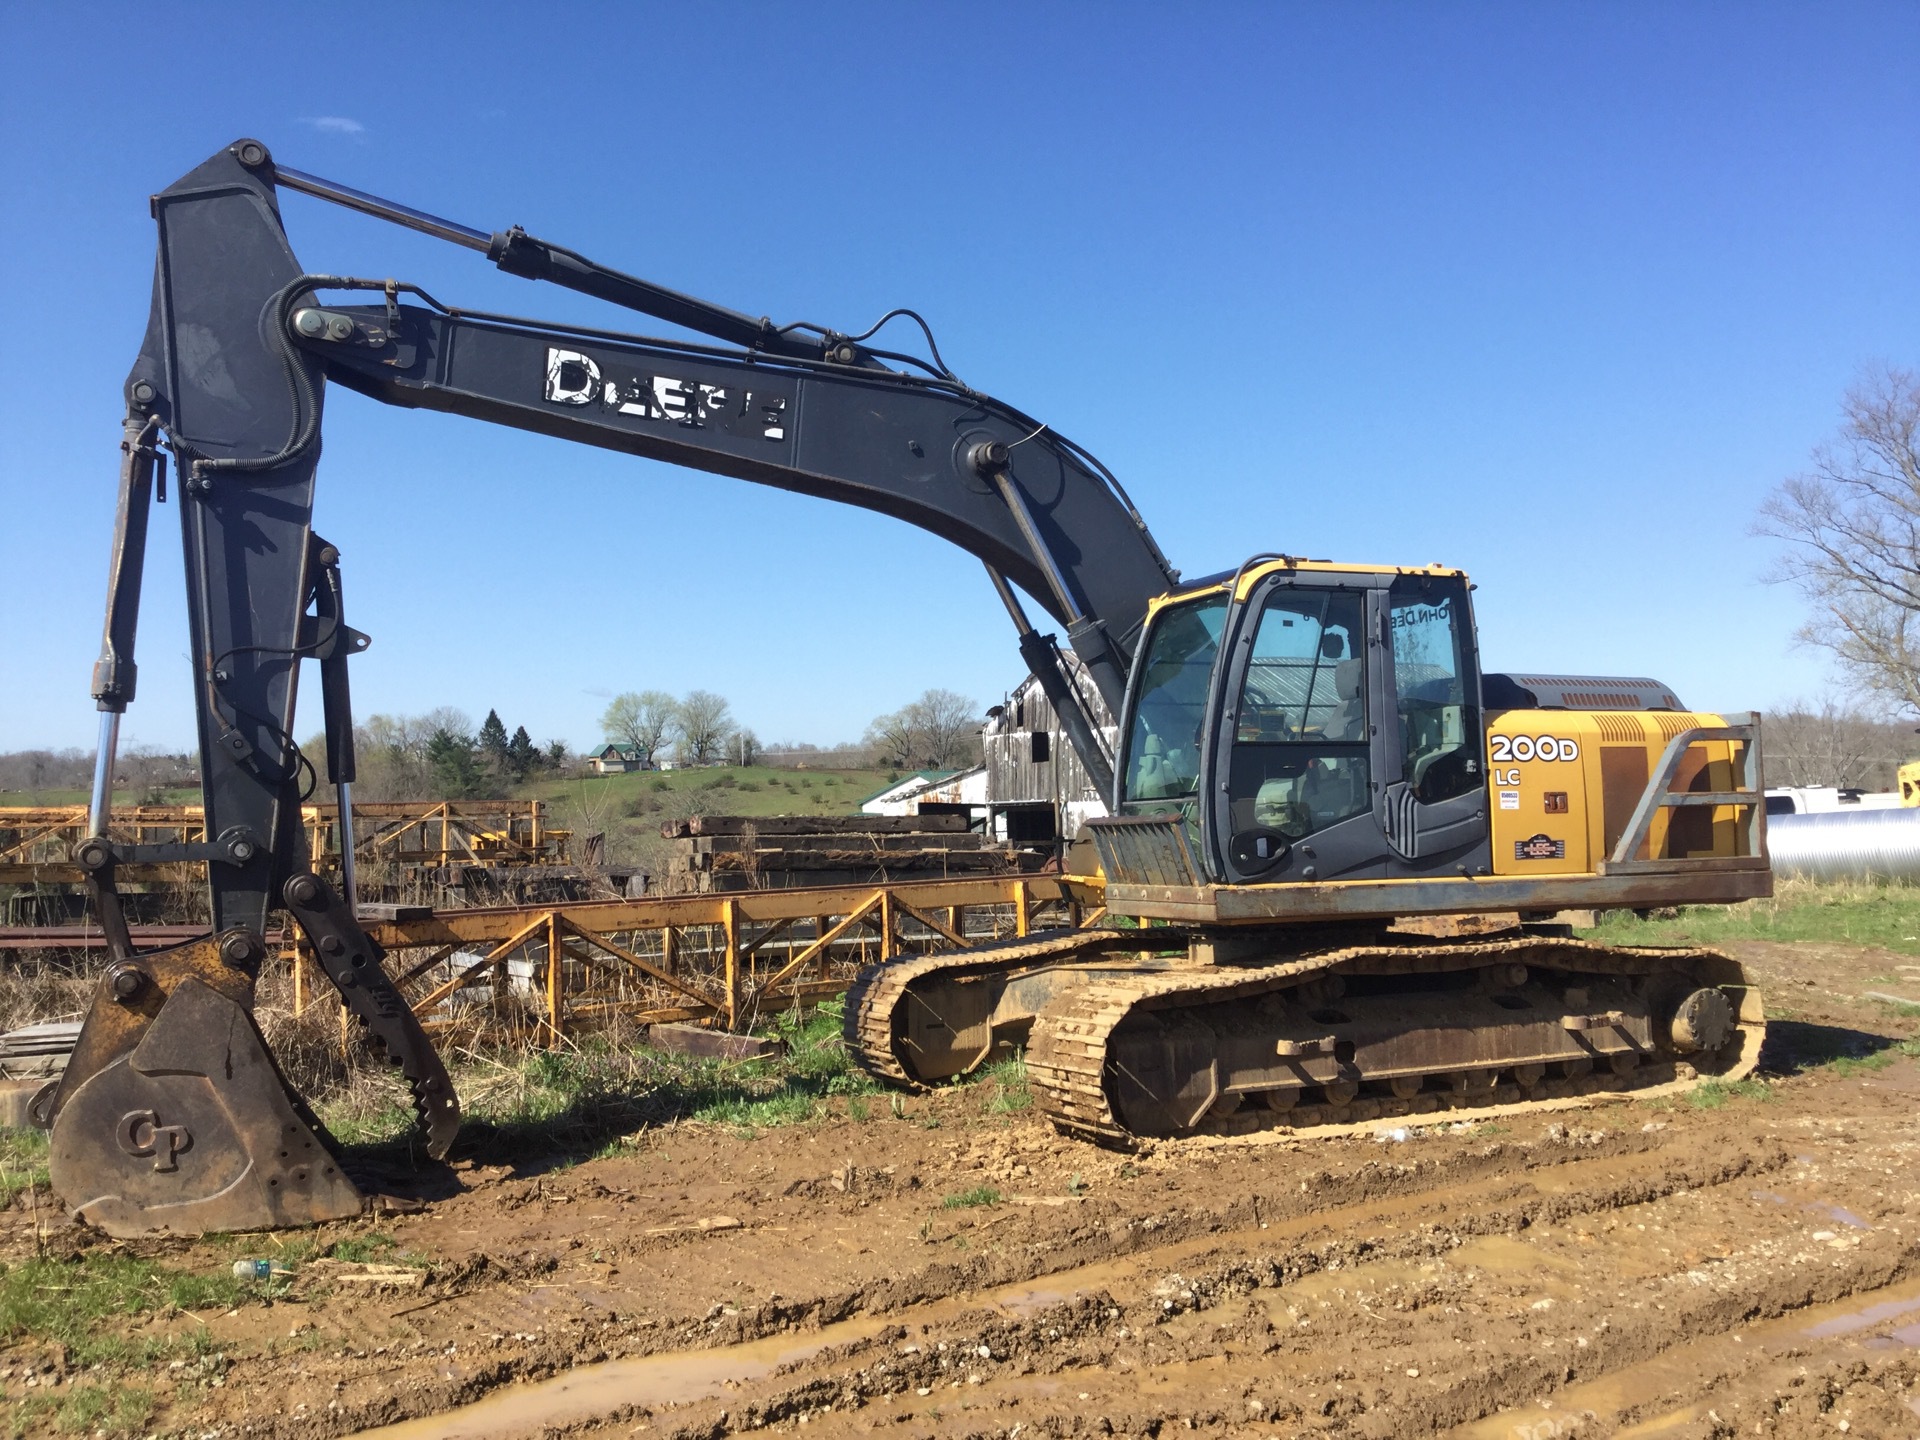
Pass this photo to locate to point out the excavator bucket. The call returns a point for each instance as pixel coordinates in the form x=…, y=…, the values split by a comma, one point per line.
x=172, y=1115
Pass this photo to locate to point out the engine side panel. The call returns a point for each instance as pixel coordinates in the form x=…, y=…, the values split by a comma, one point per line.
x=1564, y=784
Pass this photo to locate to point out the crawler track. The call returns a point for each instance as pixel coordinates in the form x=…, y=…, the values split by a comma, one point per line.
x=1070, y=1060
x=874, y=999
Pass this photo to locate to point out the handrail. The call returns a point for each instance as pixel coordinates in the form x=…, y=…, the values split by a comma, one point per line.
x=1658, y=796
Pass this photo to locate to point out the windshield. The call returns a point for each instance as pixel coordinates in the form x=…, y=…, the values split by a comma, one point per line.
x=1163, y=747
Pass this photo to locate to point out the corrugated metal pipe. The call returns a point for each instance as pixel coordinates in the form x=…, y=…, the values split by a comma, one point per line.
x=1848, y=845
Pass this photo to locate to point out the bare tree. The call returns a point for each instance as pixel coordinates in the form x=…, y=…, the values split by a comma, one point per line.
x=34, y=770
x=1852, y=524
x=743, y=748
x=1829, y=744
x=642, y=720
x=939, y=731
x=702, y=724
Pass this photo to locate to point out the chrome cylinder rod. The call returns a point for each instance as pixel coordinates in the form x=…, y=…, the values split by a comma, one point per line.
x=105, y=756
x=348, y=889
x=383, y=209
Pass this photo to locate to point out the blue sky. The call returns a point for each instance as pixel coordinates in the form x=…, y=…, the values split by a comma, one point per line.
x=1552, y=292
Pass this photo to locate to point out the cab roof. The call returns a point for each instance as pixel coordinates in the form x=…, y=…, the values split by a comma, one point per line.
x=1252, y=574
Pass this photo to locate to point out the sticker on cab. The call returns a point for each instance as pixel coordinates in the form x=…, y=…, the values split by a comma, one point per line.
x=1540, y=847
x=1509, y=799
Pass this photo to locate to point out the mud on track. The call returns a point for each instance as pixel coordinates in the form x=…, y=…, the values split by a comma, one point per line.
x=1644, y=1269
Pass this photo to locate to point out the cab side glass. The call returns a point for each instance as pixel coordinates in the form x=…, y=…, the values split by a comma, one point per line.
x=1164, y=744
x=1300, y=755
x=1439, y=737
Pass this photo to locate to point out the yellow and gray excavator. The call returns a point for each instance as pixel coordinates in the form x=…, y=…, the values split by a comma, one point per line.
x=1334, y=845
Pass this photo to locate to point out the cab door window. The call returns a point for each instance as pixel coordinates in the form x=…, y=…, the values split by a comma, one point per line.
x=1164, y=744
x=1439, y=727
x=1300, y=754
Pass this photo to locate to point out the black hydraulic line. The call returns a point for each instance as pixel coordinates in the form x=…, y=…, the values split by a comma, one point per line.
x=1044, y=663
x=114, y=673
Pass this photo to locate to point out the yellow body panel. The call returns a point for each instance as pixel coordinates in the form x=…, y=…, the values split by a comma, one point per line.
x=1562, y=786
x=1910, y=784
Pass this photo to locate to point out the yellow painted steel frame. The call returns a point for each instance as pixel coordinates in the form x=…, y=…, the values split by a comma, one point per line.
x=590, y=959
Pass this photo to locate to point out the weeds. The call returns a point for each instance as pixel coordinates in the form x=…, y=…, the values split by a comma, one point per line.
x=23, y=1162
x=68, y=1301
x=585, y=1099
x=967, y=1199
x=87, y=1409
x=1005, y=1081
x=1712, y=1094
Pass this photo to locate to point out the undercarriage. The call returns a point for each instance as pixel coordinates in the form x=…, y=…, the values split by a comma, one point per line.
x=1303, y=1029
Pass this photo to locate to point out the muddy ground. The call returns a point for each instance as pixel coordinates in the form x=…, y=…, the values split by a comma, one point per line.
x=950, y=1267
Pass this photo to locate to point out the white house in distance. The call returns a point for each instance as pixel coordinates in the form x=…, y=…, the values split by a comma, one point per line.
x=616, y=760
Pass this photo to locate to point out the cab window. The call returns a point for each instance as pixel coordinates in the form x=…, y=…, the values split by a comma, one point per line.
x=1438, y=726
x=1163, y=747
x=1300, y=755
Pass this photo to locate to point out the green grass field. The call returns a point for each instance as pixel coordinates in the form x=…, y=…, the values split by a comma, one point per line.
x=731, y=790
x=1886, y=916
x=122, y=798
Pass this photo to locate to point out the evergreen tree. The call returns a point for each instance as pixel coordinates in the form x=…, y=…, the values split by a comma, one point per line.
x=455, y=764
x=522, y=758
x=493, y=741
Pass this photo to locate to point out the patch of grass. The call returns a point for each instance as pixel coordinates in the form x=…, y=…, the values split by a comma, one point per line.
x=967, y=1199
x=584, y=1100
x=1712, y=1094
x=23, y=1162
x=725, y=790
x=70, y=1301
x=1005, y=1084
x=1856, y=913
x=1900, y=1008
x=1848, y=1066
x=376, y=1247
x=89, y=1409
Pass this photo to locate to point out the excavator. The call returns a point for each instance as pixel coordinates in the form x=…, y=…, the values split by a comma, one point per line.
x=1335, y=847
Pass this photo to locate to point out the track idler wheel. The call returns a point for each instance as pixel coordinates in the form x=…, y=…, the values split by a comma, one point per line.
x=1701, y=1021
x=172, y=1115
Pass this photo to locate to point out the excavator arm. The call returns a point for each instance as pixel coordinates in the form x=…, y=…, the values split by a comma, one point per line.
x=172, y=1114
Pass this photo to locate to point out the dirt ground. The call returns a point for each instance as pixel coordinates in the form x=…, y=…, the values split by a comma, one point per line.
x=947, y=1268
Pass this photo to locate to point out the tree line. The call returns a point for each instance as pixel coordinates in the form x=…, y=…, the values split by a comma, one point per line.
x=698, y=728
x=939, y=731
x=442, y=755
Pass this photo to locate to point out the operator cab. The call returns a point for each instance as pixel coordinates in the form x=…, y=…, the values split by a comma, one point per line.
x=1312, y=721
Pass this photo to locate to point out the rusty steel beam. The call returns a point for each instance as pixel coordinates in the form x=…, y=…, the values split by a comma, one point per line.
x=492, y=923
x=1683, y=883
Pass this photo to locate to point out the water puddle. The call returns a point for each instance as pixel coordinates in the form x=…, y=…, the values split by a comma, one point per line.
x=682, y=1376
x=1596, y=1406
x=1837, y=1213
x=676, y=1378
x=1852, y=1322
